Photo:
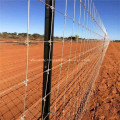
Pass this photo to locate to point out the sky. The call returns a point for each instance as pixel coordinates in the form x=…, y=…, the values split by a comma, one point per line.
x=13, y=16
x=109, y=11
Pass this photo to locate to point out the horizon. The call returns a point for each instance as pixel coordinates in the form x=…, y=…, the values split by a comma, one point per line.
x=54, y=36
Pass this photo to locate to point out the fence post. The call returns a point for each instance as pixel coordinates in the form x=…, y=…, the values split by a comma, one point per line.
x=48, y=50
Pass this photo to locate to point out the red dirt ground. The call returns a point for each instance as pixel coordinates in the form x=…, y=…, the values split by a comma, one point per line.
x=105, y=101
x=79, y=80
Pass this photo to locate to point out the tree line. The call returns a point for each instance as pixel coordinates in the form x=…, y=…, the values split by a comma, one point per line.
x=116, y=40
x=16, y=35
x=35, y=36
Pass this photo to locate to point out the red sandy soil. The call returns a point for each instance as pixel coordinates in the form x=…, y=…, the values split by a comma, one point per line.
x=105, y=101
x=64, y=96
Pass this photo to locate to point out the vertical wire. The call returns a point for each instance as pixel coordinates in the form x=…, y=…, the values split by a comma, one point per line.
x=91, y=27
x=77, y=40
x=85, y=36
x=89, y=21
x=86, y=43
x=75, y=49
x=82, y=41
x=27, y=59
x=88, y=24
x=69, y=59
x=82, y=35
x=94, y=25
x=75, y=58
x=87, y=30
x=96, y=38
x=79, y=61
x=91, y=24
x=62, y=54
x=85, y=40
x=104, y=39
x=88, y=27
x=80, y=53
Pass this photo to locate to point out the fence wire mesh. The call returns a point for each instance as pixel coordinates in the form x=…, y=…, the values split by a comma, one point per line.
x=79, y=46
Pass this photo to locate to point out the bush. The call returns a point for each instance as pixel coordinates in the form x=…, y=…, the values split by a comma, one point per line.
x=36, y=36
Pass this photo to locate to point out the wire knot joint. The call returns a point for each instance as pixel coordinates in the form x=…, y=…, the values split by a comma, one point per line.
x=23, y=117
x=25, y=82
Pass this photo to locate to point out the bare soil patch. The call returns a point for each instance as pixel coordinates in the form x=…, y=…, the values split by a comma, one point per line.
x=105, y=101
x=74, y=83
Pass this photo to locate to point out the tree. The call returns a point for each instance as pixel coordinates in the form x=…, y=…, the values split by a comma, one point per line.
x=5, y=34
x=71, y=37
x=14, y=34
x=22, y=34
x=36, y=35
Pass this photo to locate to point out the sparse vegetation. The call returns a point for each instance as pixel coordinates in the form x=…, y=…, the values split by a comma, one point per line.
x=36, y=36
x=116, y=40
x=20, y=36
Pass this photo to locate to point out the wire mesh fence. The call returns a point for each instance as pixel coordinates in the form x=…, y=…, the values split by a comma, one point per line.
x=75, y=54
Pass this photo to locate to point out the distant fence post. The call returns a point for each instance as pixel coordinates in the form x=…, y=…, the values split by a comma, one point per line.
x=48, y=51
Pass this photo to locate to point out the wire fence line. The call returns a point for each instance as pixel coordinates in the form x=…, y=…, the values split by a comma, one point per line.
x=53, y=77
